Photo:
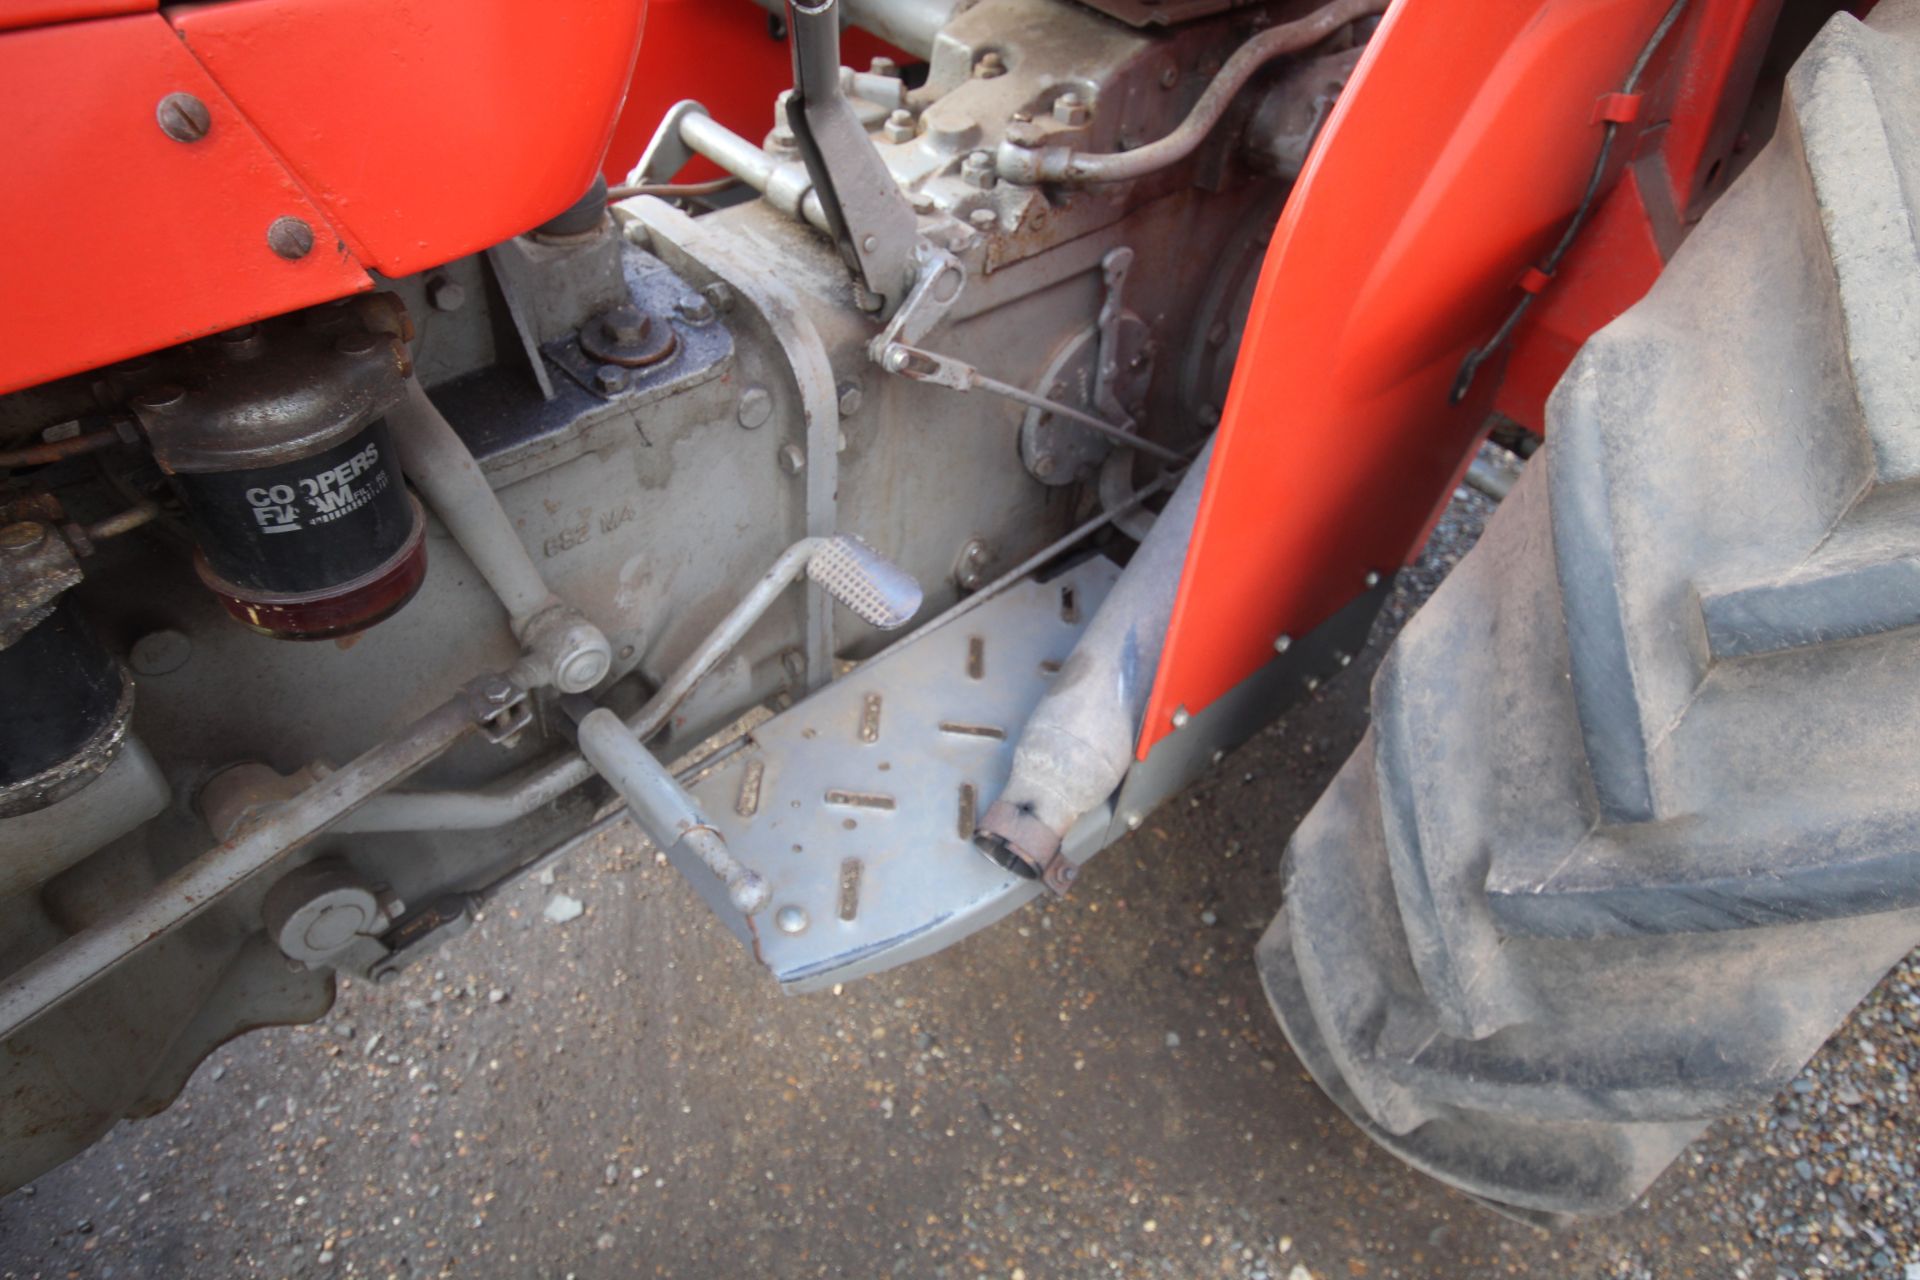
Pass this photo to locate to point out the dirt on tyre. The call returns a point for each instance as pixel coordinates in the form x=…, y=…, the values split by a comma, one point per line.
x=1637, y=822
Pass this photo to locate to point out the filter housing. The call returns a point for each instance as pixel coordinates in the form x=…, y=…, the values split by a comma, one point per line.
x=274, y=437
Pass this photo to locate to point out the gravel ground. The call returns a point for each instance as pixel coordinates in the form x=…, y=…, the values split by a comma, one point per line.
x=1094, y=1087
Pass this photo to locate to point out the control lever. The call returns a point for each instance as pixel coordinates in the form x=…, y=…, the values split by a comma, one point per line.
x=867, y=215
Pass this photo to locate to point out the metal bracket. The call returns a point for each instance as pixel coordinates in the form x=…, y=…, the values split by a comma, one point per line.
x=1106, y=372
x=939, y=280
x=867, y=214
x=500, y=707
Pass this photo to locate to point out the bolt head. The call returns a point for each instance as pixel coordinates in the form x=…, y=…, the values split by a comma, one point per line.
x=694, y=309
x=183, y=117
x=1071, y=110
x=610, y=378
x=989, y=65
x=851, y=398
x=1044, y=465
x=24, y=536
x=1372, y=579
x=291, y=238
x=791, y=918
x=159, y=653
x=1133, y=822
x=445, y=295
x=792, y=460
x=1180, y=717
x=626, y=325
x=885, y=67
x=756, y=406
x=1282, y=644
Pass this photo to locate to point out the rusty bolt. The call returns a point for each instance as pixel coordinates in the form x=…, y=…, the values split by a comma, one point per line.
x=609, y=378
x=989, y=65
x=1071, y=109
x=183, y=117
x=24, y=536
x=291, y=238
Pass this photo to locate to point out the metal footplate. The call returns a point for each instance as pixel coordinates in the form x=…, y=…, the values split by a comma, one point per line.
x=857, y=806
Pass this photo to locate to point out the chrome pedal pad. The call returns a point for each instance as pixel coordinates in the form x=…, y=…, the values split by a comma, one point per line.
x=874, y=588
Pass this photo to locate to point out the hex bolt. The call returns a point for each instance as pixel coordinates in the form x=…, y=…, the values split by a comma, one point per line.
x=1024, y=134
x=977, y=170
x=900, y=126
x=989, y=65
x=694, y=309
x=1071, y=110
x=446, y=295
x=610, y=378
x=791, y=918
x=756, y=406
x=719, y=296
x=626, y=325
x=851, y=398
x=183, y=117
x=792, y=461
x=290, y=237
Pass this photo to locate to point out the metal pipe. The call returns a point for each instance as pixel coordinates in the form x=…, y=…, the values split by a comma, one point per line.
x=661, y=806
x=1064, y=165
x=496, y=806
x=905, y=24
x=82, y=959
x=123, y=522
x=1078, y=743
x=785, y=184
x=35, y=455
x=566, y=650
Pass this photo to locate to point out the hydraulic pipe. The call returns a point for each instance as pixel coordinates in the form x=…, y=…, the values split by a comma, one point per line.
x=1066, y=166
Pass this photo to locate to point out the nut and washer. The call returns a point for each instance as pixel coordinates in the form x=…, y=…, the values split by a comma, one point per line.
x=694, y=309
x=1071, y=110
x=977, y=170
